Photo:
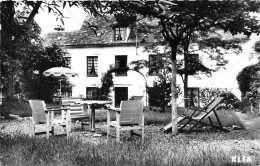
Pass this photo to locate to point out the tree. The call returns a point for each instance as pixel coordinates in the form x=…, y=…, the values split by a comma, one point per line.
x=257, y=46
x=179, y=19
x=249, y=83
x=19, y=38
x=34, y=84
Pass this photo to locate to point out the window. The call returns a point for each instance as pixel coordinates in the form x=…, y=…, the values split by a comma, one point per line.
x=192, y=62
x=121, y=63
x=155, y=65
x=193, y=95
x=92, y=66
x=91, y=92
x=119, y=34
x=68, y=61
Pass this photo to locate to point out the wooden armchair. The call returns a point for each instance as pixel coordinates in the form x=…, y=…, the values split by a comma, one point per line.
x=44, y=117
x=77, y=111
x=130, y=116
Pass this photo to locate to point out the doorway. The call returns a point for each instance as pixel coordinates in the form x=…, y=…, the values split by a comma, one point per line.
x=121, y=93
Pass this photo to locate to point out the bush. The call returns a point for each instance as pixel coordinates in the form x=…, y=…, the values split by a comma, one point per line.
x=4, y=112
x=230, y=100
x=249, y=83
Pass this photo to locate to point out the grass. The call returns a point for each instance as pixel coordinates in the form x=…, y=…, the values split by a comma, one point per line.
x=162, y=149
x=228, y=118
x=23, y=150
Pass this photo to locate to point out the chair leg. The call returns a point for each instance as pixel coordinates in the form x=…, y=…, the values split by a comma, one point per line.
x=52, y=130
x=68, y=130
x=82, y=123
x=108, y=131
x=47, y=132
x=117, y=135
x=33, y=131
x=142, y=137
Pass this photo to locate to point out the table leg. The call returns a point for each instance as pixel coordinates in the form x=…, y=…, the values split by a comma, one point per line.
x=93, y=117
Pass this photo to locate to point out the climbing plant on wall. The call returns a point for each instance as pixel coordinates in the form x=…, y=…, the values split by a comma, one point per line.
x=107, y=83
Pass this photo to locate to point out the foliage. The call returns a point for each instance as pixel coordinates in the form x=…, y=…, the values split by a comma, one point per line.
x=14, y=51
x=257, y=46
x=20, y=40
x=107, y=82
x=249, y=83
x=35, y=85
x=229, y=101
x=160, y=93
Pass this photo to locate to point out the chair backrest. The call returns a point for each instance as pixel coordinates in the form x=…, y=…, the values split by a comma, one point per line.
x=137, y=97
x=76, y=109
x=209, y=110
x=38, y=107
x=214, y=104
x=69, y=101
x=131, y=112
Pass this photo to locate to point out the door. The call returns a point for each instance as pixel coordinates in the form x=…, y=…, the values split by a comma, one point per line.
x=121, y=93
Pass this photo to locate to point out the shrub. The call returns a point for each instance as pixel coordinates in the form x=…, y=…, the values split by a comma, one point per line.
x=4, y=112
x=230, y=100
x=249, y=83
x=160, y=93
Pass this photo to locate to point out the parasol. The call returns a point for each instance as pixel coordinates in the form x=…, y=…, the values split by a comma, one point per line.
x=60, y=72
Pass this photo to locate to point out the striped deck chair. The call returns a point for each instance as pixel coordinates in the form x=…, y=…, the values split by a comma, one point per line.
x=198, y=115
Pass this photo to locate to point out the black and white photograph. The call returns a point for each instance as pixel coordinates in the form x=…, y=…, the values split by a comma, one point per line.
x=130, y=83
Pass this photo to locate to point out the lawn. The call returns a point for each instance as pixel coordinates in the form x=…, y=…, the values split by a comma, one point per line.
x=209, y=147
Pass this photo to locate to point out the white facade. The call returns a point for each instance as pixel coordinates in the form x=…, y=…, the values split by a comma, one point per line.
x=226, y=77
x=106, y=57
x=135, y=83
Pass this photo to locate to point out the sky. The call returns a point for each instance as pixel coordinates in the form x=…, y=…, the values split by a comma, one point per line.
x=76, y=16
x=47, y=21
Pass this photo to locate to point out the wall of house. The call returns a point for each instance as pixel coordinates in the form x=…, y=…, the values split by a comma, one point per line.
x=224, y=78
x=106, y=57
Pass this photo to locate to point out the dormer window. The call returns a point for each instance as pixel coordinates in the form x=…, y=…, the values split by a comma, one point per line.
x=119, y=34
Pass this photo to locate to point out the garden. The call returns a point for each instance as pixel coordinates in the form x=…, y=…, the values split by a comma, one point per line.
x=180, y=28
x=204, y=146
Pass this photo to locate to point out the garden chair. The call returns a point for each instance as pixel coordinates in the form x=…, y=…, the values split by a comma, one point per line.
x=130, y=116
x=199, y=114
x=78, y=113
x=69, y=101
x=44, y=117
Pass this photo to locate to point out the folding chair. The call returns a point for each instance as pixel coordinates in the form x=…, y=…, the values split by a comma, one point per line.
x=130, y=116
x=199, y=114
x=43, y=117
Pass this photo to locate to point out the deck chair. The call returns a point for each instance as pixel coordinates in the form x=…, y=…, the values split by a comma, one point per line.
x=78, y=113
x=198, y=115
x=43, y=117
x=130, y=116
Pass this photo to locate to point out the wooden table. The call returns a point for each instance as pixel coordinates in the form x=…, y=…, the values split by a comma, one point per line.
x=92, y=105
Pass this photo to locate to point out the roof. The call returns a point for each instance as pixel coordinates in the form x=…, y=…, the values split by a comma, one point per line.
x=95, y=32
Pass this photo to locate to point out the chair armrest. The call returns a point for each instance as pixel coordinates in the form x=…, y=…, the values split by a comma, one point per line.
x=52, y=107
x=60, y=109
x=111, y=108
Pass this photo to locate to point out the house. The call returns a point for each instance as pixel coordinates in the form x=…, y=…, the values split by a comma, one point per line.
x=100, y=43
x=92, y=52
